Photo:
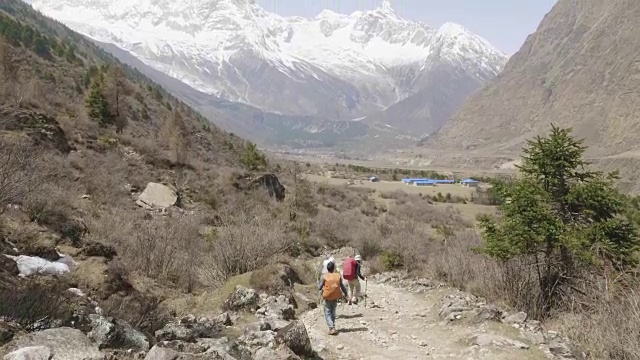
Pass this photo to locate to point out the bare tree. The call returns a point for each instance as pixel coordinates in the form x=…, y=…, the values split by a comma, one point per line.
x=177, y=134
x=116, y=88
x=21, y=170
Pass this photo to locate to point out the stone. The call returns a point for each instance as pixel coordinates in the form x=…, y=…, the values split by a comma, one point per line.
x=560, y=349
x=157, y=196
x=188, y=330
x=65, y=344
x=158, y=352
x=31, y=353
x=116, y=335
x=487, y=313
x=516, y=318
x=225, y=319
x=280, y=353
x=485, y=340
x=241, y=298
x=296, y=338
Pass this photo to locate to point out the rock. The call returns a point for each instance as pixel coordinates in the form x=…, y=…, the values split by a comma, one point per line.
x=43, y=130
x=188, y=329
x=65, y=343
x=102, y=330
x=241, y=298
x=179, y=350
x=296, y=338
x=31, y=353
x=159, y=352
x=157, y=196
x=560, y=349
x=280, y=310
x=225, y=319
x=517, y=318
x=495, y=340
x=272, y=184
x=276, y=324
x=128, y=337
x=95, y=248
x=310, y=303
x=281, y=353
x=487, y=313
x=116, y=335
x=259, y=339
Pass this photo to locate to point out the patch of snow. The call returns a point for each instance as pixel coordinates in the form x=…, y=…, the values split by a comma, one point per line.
x=31, y=265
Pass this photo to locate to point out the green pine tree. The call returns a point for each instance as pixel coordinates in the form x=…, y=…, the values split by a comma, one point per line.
x=253, y=159
x=97, y=104
x=560, y=217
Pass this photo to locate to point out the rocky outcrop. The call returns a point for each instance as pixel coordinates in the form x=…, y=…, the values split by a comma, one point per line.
x=42, y=129
x=272, y=184
x=222, y=348
x=157, y=196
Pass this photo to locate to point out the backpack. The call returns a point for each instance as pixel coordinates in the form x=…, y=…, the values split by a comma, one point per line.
x=331, y=290
x=349, y=269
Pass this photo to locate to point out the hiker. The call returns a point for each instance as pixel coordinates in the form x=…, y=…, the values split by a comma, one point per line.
x=332, y=290
x=353, y=274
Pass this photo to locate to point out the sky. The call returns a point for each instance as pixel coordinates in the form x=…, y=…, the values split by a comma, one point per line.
x=504, y=23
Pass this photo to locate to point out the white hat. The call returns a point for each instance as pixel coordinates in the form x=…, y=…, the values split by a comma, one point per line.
x=358, y=258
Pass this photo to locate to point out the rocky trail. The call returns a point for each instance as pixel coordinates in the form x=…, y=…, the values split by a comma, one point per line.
x=413, y=319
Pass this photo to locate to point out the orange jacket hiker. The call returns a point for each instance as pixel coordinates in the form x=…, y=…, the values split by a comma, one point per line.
x=332, y=289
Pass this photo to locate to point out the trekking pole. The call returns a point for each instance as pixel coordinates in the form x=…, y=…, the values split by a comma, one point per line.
x=366, y=281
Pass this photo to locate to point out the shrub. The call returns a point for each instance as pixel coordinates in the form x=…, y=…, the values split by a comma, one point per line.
x=37, y=304
x=391, y=260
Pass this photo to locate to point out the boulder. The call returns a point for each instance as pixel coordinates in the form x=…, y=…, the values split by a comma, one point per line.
x=116, y=334
x=516, y=318
x=223, y=349
x=487, y=313
x=31, y=353
x=241, y=298
x=189, y=329
x=296, y=338
x=157, y=196
x=281, y=353
x=65, y=344
x=272, y=184
x=560, y=349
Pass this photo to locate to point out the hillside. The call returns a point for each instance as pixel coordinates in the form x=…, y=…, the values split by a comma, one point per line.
x=579, y=69
x=311, y=76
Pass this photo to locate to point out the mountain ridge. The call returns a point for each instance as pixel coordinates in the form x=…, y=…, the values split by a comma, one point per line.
x=579, y=69
x=333, y=66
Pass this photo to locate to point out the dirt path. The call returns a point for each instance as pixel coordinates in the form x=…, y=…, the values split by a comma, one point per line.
x=400, y=324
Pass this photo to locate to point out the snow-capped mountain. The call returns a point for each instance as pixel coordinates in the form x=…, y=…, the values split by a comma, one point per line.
x=333, y=66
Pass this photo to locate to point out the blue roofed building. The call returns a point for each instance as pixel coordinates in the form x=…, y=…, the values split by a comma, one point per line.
x=470, y=183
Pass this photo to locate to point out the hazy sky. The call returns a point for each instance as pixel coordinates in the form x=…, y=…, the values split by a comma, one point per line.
x=505, y=23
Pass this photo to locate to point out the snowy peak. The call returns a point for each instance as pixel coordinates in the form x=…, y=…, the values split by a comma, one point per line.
x=332, y=66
